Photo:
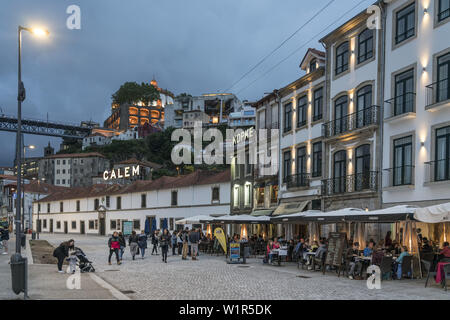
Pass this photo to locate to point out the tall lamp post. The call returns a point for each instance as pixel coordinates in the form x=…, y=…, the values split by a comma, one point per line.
x=32, y=147
x=18, y=263
x=38, y=221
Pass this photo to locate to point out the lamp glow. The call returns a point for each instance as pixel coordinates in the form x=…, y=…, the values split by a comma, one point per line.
x=40, y=32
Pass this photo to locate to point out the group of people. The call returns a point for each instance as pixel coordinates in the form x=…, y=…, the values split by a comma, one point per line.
x=183, y=242
x=357, y=257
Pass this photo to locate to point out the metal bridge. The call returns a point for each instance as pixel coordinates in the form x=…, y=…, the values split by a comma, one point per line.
x=44, y=128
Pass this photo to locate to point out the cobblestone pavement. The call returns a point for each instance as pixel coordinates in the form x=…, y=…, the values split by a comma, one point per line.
x=211, y=278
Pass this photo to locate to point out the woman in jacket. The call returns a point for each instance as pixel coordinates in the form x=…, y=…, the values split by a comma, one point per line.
x=133, y=243
x=62, y=252
x=155, y=242
x=142, y=243
x=180, y=242
x=174, y=243
x=114, y=247
x=123, y=245
x=165, y=241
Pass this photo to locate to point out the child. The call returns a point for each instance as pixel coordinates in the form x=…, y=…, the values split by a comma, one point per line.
x=72, y=259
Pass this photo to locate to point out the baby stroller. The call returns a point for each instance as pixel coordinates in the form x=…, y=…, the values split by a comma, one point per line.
x=84, y=264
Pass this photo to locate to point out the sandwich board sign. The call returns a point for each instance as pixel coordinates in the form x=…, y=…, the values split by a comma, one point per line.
x=235, y=252
x=127, y=228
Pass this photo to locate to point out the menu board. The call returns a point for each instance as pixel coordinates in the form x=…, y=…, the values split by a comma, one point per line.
x=235, y=251
x=127, y=227
x=336, y=245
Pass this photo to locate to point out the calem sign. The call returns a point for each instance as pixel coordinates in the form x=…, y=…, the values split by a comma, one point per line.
x=121, y=173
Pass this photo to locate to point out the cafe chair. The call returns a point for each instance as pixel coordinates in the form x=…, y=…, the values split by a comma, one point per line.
x=386, y=268
x=319, y=261
x=430, y=267
x=446, y=275
x=406, y=266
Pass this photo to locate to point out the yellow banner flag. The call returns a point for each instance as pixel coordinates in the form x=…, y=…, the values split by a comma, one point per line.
x=220, y=235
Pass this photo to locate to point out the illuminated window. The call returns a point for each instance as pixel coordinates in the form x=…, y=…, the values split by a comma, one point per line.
x=133, y=120
x=144, y=113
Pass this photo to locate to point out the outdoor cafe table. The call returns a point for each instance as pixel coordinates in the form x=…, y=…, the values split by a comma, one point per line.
x=440, y=271
x=280, y=253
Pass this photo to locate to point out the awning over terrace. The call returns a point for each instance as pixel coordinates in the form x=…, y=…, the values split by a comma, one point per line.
x=435, y=214
x=238, y=219
x=399, y=213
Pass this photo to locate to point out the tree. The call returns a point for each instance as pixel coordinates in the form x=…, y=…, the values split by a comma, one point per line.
x=131, y=92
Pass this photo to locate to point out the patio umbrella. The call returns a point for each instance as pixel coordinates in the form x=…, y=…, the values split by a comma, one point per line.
x=153, y=225
x=147, y=227
x=410, y=240
x=164, y=224
x=313, y=229
x=360, y=234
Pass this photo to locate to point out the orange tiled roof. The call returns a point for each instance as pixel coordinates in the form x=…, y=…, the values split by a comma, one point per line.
x=76, y=155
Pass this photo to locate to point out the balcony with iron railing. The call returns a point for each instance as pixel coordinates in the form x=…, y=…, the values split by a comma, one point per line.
x=403, y=105
x=438, y=94
x=299, y=180
x=360, y=182
x=398, y=176
x=352, y=122
x=437, y=171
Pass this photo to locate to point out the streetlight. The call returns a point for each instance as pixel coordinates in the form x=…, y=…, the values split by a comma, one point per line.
x=17, y=261
x=38, y=221
x=31, y=147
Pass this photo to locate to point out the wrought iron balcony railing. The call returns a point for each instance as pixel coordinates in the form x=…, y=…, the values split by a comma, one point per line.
x=438, y=92
x=352, y=122
x=398, y=176
x=366, y=181
x=404, y=103
x=438, y=170
x=298, y=180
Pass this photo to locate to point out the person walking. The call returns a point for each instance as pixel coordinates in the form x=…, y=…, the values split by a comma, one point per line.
x=123, y=245
x=142, y=243
x=114, y=247
x=155, y=242
x=180, y=242
x=194, y=238
x=133, y=243
x=62, y=252
x=165, y=242
x=4, y=237
x=174, y=243
x=185, y=243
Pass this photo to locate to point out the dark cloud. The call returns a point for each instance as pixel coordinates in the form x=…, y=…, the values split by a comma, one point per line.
x=196, y=46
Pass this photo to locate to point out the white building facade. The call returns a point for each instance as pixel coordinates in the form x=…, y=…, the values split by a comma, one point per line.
x=352, y=131
x=102, y=209
x=416, y=139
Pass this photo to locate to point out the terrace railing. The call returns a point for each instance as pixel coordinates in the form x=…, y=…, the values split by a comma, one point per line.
x=358, y=120
x=438, y=92
x=366, y=181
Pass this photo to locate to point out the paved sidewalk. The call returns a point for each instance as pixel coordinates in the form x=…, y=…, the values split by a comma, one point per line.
x=45, y=283
x=211, y=278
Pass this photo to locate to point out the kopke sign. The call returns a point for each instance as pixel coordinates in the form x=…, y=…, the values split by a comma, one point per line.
x=121, y=173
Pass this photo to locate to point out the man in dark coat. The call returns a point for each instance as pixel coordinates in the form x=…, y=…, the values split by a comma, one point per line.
x=194, y=238
x=62, y=252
